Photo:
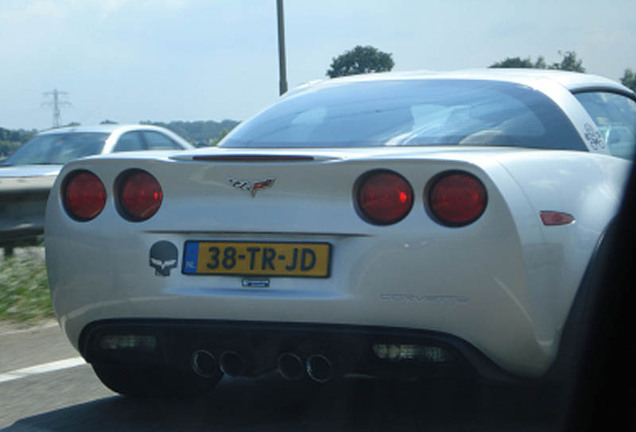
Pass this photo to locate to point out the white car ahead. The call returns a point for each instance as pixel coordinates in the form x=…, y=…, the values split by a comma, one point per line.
x=388, y=225
x=26, y=177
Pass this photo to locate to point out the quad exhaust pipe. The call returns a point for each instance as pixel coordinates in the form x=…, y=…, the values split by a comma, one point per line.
x=319, y=367
x=290, y=366
x=233, y=364
x=204, y=364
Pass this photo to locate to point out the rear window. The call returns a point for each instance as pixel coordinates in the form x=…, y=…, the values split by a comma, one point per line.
x=57, y=149
x=411, y=113
x=615, y=117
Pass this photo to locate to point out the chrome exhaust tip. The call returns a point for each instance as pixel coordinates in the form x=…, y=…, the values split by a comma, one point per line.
x=233, y=364
x=319, y=368
x=290, y=366
x=204, y=364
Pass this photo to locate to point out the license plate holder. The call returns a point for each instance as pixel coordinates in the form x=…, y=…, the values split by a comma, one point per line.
x=248, y=258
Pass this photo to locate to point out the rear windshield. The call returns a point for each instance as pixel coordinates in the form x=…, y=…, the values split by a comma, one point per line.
x=411, y=113
x=57, y=149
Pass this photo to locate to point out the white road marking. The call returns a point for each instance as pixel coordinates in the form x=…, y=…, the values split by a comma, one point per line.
x=12, y=332
x=42, y=368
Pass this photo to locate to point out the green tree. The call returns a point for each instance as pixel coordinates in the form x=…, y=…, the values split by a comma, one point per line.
x=7, y=148
x=107, y=122
x=11, y=140
x=518, y=62
x=629, y=79
x=360, y=60
x=20, y=136
x=215, y=141
x=569, y=62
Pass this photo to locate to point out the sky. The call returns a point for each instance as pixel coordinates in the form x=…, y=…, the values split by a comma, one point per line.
x=164, y=60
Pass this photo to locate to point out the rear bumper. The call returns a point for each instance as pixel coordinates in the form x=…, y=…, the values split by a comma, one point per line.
x=349, y=347
x=22, y=215
x=29, y=234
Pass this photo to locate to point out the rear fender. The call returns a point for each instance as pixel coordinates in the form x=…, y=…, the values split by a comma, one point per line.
x=578, y=325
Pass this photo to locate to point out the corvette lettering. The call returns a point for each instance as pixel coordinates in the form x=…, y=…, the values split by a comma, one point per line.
x=252, y=187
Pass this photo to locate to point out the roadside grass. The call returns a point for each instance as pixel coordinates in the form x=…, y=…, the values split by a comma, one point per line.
x=24, y=289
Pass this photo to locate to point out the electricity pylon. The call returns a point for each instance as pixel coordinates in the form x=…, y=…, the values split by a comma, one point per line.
x=57, y=103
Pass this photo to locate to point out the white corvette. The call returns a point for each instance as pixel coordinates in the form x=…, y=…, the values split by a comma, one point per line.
x=391, y=224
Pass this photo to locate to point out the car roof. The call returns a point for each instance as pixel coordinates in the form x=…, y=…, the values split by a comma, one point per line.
x=570, y=80
x=105, y=128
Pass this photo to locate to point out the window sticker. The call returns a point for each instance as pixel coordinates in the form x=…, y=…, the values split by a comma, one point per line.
x=593, y=137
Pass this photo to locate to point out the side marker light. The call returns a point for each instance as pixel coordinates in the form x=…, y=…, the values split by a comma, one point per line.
x=552, y=218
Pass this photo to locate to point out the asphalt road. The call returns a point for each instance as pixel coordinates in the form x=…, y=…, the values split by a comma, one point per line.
x=44, y=386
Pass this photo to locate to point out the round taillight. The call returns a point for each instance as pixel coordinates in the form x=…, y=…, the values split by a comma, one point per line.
x=83, y=195
x=139, y=195
x=384, y=197
x=456, y=198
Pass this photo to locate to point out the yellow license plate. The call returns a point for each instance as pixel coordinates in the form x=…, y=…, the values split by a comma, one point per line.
x=257, y=259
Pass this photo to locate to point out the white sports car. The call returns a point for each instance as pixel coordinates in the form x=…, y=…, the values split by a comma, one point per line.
x=390, y=224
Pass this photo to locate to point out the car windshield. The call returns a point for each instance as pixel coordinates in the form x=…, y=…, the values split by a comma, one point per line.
x=412, y=113
x=57, y=149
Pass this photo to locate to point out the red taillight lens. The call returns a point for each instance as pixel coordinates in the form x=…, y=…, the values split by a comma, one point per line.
x=552, y=218
x=83, y=195
x=456, y=198
x=139, y=195
x=384, y=197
